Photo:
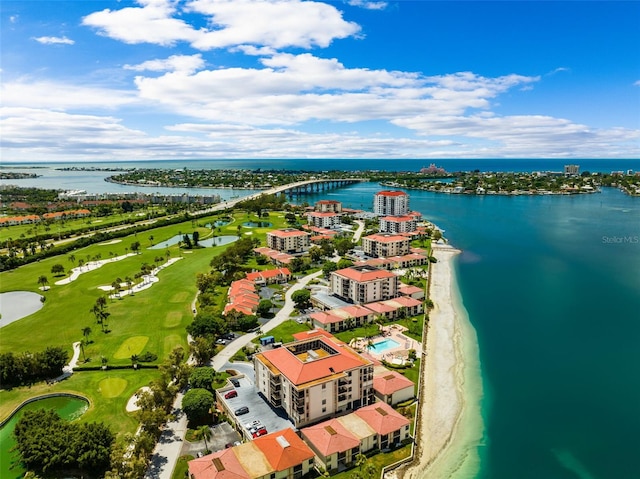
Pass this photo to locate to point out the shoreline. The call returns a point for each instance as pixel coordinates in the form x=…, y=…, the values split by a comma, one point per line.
x=450, y=426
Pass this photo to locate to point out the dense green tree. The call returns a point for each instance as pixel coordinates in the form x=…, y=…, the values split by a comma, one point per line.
x=342, y=245
x=135, y=246
x=207, y=323
x=329, y=267
x=344, y=263
x=301, y=298
x=202, y=378
x=264, y=308
x=57, y=269
x=197, y=404
x=315, y=253
x=202, y=349
x=51, y=446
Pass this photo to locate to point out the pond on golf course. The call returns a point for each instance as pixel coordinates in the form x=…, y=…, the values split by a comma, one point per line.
x=15, y=305
x=257, y=224
x=67, y=407
x=214, y=241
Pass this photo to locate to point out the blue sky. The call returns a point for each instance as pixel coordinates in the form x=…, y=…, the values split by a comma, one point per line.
x=167, y=79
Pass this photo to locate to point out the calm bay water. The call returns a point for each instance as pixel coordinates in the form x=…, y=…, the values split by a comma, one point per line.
x=552, y=286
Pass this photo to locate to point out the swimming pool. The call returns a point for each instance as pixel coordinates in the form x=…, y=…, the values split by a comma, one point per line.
x=381, y=346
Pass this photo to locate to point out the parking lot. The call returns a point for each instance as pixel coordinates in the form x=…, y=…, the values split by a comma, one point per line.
x=248, y=395
x=221, y=435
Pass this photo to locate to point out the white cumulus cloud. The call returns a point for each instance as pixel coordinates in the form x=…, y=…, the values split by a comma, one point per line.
x=54, y=40
x=179, y=63
x=269, y=23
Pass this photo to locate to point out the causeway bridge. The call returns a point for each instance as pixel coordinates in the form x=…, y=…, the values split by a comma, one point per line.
x=312, y=186
x=292, y=189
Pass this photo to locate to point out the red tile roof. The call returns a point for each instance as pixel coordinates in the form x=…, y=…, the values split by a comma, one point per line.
x=287, y=233
x=299, y=372
x=364, y=273
x=391, y=382
x=409, y=289
x=219, y=465
x=382, y=238
x=391, y=193
x=398, y=219
x=382, y=418
x=312, y=334
x=330, y=437
x=283, y=449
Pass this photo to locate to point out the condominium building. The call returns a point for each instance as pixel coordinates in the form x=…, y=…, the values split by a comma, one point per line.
x=323, y=219
x=391, y=203
x=386, y=245
x=364, y=284
x=279, y=455
x=314, y=378
x=288, y=240
x=398, y=224
x=328, y=206
x=338, y=441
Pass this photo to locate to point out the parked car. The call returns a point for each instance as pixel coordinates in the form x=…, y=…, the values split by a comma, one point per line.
x=241, y=410
x=259, y=432
x=235, y=382
x=231, y=394
x=221, y=341
x=228, y=336
x=252, y=424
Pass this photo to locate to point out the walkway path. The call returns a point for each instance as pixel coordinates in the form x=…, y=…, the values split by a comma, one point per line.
x=281, y=316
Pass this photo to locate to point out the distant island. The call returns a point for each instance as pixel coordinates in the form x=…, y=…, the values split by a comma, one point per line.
x=14, y=175
x=432, y=178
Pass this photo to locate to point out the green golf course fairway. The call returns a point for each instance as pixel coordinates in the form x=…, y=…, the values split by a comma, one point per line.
x=112, y=387
x=131, y=346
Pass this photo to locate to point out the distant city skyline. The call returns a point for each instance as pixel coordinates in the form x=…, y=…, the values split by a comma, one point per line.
x=174, y=79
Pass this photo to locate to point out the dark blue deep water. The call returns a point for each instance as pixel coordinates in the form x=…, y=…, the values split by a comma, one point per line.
x=552, y=286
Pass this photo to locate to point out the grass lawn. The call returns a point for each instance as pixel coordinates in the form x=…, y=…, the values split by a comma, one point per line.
x=151, y=320
x=379, y=461
x=107, y=391
x=182, y=467
x=284, y=332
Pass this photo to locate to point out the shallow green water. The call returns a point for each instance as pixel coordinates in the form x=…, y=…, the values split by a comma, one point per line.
x=68, y=408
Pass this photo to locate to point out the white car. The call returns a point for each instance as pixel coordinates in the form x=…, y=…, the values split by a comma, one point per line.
x=253, y=425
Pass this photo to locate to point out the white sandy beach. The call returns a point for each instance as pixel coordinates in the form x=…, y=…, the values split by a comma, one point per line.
x=450, y=425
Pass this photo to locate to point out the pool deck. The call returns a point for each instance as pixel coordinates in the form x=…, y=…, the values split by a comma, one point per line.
x=395, y=355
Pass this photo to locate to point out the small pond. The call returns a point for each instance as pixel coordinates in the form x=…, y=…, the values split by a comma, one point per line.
x=218, y=241
x=257, y=224
x=218, y=223
x=215, y=241
x=68, y=407
x=15, y=305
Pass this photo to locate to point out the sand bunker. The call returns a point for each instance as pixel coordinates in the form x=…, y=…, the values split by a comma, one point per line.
x=90, y=266
x=16, y=305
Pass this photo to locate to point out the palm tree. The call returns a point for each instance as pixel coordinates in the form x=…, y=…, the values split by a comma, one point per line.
x=86, y=331
x=72, y=258
x=43, y=281
x=129, y=282
x=370, y=470
x=83, y=342
x=361, y=460
x=134, y=361
x=204, y=433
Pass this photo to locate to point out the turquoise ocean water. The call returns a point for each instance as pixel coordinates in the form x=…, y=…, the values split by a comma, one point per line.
x=552, y=287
